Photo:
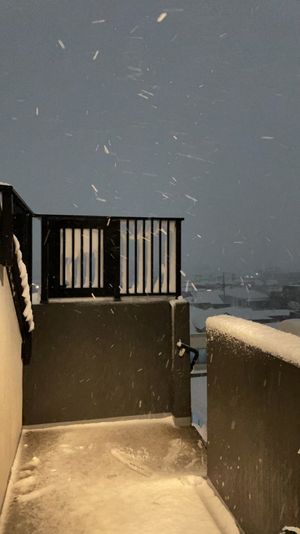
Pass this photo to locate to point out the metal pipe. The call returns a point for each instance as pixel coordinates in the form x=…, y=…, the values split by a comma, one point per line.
x=183, y=348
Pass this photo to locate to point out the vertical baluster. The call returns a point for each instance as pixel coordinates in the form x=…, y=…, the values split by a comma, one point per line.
x=159, y=256
x=73, y=258
x=127, y=255
x=45, y=259
x=151, y=253
x=178, y=257
x=90, y=257
x=102, y=257
x=135, y=257
x=64, y=257
x=99, y=258
x=144, y=256
x=168, y=256
x=81, y=257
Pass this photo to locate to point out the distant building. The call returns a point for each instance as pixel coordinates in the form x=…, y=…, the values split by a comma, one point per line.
x=246, y=297
x=291, y=293
x=207, y=298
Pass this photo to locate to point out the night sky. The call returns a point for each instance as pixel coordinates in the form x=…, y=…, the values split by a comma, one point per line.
x=197, y=115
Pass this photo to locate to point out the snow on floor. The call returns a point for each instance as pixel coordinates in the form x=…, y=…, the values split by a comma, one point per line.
x=112, y=478
x=199, y=404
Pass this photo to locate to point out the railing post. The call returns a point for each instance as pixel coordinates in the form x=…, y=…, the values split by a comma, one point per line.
x=22, y=227
x=28, y=245
x=112, y=253
x=178, y=258
x=6, y=230
x=45, y=260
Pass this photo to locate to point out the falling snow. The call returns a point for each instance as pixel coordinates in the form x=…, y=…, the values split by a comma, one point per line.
x=162, y=17
x=61, y=44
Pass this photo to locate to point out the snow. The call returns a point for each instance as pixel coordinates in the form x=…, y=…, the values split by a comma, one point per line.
x=199, y=404
x=24, y=484
x=61, y=44
x=279, y=344
x=191, y=198
x=161, y=17
x=205, y=296
x=25, y=285
x=120, y=477
x=202, y=429
x=199, y=316
x=292, y=326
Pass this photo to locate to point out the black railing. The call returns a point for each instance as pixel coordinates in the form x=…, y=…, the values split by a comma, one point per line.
x=16, y=220
x=110, y=256
x=79, y=256
x=86, y=256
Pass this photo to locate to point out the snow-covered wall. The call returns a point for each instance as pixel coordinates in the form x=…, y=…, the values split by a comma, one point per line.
x=254, y=422
x=280, y=344
x=10, y=382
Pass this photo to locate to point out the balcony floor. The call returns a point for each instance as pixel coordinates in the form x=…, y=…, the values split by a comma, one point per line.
x=112, y=478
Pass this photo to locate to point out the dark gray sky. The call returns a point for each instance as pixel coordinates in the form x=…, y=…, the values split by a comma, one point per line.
x=205, y=103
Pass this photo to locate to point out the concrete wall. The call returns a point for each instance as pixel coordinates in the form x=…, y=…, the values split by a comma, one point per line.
x=254, y=434
x=99, y=359
x=10, y=382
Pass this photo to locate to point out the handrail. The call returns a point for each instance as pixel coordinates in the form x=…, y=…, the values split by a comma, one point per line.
x=112, y=217
x=16, y=218
x=134, y=255
x=110, y=256
x=10, y=188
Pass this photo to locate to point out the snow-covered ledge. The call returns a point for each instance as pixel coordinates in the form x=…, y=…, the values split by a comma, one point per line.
x=280, y=344
x=253, y=422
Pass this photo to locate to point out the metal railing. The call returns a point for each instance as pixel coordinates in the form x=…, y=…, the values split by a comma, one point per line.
x=16, y=219
x=87, y=256
x=110, y=256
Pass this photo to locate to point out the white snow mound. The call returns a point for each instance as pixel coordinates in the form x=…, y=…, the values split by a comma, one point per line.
x=279, y=344
x=25, y=285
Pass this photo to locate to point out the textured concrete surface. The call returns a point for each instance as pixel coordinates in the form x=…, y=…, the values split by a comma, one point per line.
x=254, y=430
x=112, y=477
x=100, y=360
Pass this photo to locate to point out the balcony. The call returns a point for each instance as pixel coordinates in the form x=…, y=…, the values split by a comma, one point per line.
x=96, y=390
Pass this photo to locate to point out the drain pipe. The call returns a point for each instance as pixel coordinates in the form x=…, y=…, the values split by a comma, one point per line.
x=183, y=348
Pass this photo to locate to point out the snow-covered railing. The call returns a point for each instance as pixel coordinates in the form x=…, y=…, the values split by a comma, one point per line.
x=15, y=218
x=16, y=236
x=27, y=312
x=110, y=256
